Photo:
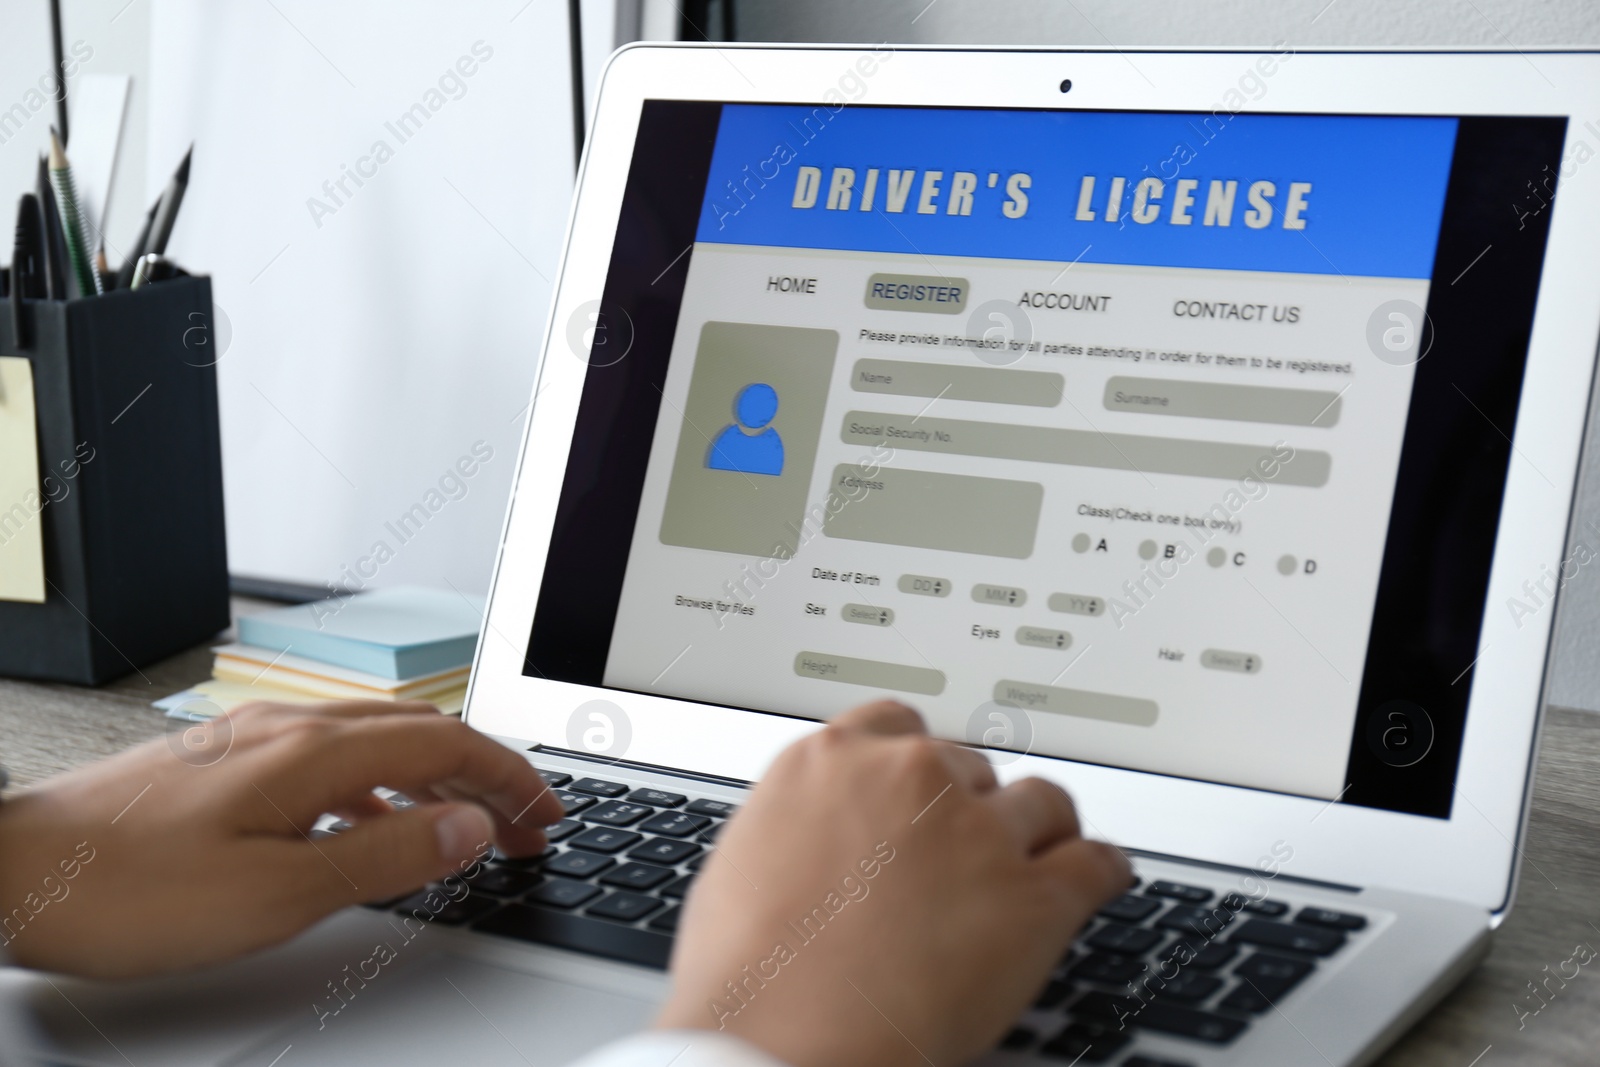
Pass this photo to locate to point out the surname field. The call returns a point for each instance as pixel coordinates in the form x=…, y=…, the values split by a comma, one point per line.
x=1220, y=400
x=1086, y=448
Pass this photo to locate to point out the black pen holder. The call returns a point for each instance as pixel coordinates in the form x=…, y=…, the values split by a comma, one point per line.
x=130, y=466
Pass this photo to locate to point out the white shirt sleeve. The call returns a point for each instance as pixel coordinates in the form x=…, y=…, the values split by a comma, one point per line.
x=679, y=1048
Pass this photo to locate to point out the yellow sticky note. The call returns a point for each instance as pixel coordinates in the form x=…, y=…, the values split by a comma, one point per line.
x=21, y=530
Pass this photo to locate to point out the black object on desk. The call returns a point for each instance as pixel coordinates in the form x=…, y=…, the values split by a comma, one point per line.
x=135, y=556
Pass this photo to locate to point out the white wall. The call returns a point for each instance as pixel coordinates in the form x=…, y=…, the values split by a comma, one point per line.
x=379, y=193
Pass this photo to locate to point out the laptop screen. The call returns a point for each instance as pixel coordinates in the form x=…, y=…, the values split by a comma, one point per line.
x=1171, y=442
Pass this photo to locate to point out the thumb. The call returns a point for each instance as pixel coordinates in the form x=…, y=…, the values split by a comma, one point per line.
x=404, y=850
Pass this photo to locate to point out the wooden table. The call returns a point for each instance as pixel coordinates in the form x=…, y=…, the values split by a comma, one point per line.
x=47, y=728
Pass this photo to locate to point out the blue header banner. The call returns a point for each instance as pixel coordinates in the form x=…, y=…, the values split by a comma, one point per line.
x=1309, y=194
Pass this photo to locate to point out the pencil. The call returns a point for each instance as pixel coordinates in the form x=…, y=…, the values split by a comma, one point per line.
x=54, y=262
x=78, y=253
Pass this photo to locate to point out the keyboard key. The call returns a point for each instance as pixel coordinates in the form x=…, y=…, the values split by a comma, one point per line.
x=595, y=937
x=524, y=863
x=605, y=840
x=675, y=824
x=679, y=889
x=553, y=779
x=426, y=907
x=1053, y=995
x=1245, y=997
x=710, y=833
x=666, y=921
x=617, y=813
x=503, y=881
x=1189, y=894
x=1019, y=1037
x=1311, y=940
x=1207, y=956
x=1164, y=1018
x=564, y=893
x=1127, y=940
x=698, y=862
x=598, y=787
x=1205, y=923
x=1267, y=909
x=641, y=876
x=665, y=851
x=1187, y=986
x=565, y=828
x=576, y=864
x=624, y=906
x=657, y=798
x=719, y=809
x=1335, y=920
x=400, y=802
x=1273, y=975
x=1130, y=909
x=1107, y=968
x=1086, y=1043
x=573, y=802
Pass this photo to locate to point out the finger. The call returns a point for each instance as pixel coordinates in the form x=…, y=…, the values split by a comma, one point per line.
x=389, y=855
x=360, y=709
x=323, y=764
x=1038, y=813
x=888, y=718
x=369, y=806
x=969, y=768
x=1094, y=869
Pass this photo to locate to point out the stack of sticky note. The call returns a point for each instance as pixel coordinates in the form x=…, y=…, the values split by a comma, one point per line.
x=401, y=643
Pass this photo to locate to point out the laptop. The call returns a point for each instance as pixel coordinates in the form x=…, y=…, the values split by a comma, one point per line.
x=1197, y=430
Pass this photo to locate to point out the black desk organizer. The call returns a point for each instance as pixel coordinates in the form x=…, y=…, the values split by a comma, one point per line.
x=135, y=557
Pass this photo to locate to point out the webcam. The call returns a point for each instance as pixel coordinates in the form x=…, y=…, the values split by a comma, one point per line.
x=1066, y=85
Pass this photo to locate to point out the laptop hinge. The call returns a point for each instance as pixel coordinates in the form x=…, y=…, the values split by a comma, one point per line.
x=635, y=765
x=1253, y=871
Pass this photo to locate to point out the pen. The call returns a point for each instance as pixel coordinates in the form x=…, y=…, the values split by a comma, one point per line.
x=171, y=200
x=24, y=254
x=78, y=254
x=152, y=268
x=52, y=250
x=131, y=262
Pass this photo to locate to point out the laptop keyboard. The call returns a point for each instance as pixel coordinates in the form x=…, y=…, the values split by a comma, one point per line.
x=1177, y=959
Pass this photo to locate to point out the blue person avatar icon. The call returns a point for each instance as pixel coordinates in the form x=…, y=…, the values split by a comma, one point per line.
x=750, y=445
